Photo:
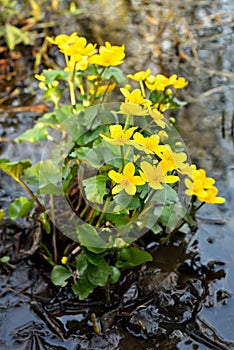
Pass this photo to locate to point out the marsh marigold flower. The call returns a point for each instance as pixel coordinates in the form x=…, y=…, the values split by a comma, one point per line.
x=159, y=82
x=126, y=180
x=109, y=55
x=103, y=89
x=135, y=97
x=155, y=175
x=119, y=136
x=180, y=83
x=64, y=260
x=77, y=63
x=157, y=117
x=171, y=160
x=163, y=135
x=148, y=144
x=133, y=109
x=202, y=186
x=139, y=76
x=77, y=48
x=62, y=39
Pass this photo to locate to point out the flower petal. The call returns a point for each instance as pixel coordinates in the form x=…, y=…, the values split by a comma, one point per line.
x=130, y=189
x=129, y=169
x=117, y=177
x=117, y=189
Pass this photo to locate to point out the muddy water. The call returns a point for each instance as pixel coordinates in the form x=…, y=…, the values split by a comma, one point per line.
x=193, y=39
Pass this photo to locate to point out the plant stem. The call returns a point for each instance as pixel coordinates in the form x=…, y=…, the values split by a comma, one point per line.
x=40, y=206
x=72, y=88
x=103, y=213
x=142, y=89
x=54, y=243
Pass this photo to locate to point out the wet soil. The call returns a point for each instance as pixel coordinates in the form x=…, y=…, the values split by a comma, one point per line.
x=184, y=299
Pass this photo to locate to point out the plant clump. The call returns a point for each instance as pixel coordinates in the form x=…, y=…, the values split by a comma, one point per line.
x=113, y=170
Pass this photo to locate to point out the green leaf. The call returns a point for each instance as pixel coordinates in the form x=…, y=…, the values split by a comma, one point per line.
x=83, y=288
x=89, y=238
x=82, y=264
x=131, y=256
x=90, y=115
x=14, y=169
x=21, y=207
x=37, y=133
x=115, y=274
x=44, y=219
x=4, y=259
x=64, y=113
x=93, y=258
x=98, y=274
x=175, y=103
x=52, y=74
x=46, y=175
x=127, y=201
x=165, y=196
x=172, y=215
x=59, y=275
x=118, y=219
x=95, y=188
x=88, y=155
x=116, y=73
x=16, y=36
x=91, y=135
x=48, y=119
x=2, y=214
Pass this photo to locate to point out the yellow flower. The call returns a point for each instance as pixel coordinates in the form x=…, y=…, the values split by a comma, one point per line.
x=207, y=195
x=62, y=39
x=172, y=160
x=195, y=188
x=77, y=48
x=104, y=89
x=200, y=174
x=126, y=180
x=210, y=196
x=162, y=107
x=163, y=135
x=133, y=109
x=109, y=55
x=187, y=170
x=78, y=63
x=148, y=144
x=119, y=136
x=159, y=82
x=157, y=117
x=202, y=186
x=180, y=83
x=139, y=76
x=155, y=175
x=64, y=260
x=150, y=82
x=135, y=97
